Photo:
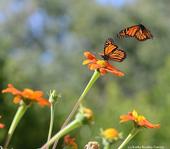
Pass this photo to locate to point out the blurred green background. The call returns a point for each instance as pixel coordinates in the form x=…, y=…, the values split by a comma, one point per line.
x=42, y=45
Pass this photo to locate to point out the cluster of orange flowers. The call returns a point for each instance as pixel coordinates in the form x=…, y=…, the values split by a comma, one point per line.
x=28, y=96
x=111, y=134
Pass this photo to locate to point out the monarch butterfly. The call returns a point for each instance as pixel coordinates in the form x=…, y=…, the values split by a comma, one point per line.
x=111, y=51
x=140, y=32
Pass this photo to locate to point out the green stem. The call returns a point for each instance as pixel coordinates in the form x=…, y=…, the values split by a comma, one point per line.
x=51, y=100
x=94, y=77
x=107, y=146
x=74, y=124
x=19, y=114
x=133, y=132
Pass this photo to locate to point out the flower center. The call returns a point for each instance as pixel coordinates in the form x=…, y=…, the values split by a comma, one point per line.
x=110, y=133
x=102, y=63
x=140, y=118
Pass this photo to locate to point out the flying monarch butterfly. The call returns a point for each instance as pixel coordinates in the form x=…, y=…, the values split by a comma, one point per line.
x=111, y=51
x=140, y=32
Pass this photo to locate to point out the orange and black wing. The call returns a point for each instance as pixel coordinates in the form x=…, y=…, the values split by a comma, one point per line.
x=143, y=33
x=109, y=47
x=111, y=51
x=138, y=31
x=117, y=55
x=129, y=31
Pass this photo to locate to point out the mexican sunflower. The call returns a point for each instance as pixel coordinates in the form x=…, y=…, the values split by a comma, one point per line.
x=68, y=141
x=139, y=120
x=27, y=95
x=101, y=65
x=111, y=134
x=1, y=125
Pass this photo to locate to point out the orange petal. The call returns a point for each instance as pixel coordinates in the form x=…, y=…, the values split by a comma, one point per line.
x=86, y=62
x=30, y=94
x=27, y=93
x=38, y=94
x=2, y=125
x=125, y=118
x=113, y=70
x=147, y=124
x=43, y=102
x=11, y=89
x=116, y=72
x=102, y=71
x=89, y=55
x=93, y=66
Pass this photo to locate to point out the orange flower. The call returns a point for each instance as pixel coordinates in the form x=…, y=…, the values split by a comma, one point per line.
x=26, y=95
x=1, y=125
x=70, y=142
x=139, y=120
x=101, y=65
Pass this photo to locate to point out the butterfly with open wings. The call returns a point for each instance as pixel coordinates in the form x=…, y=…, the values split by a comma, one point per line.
x=140, y=32
x=111, y=51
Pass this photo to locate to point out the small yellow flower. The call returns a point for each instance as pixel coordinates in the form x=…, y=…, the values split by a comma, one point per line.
x=88, y=113
x=85, y=115
x=110, y=134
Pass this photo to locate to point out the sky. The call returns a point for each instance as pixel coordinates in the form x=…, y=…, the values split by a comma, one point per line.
x=117, y=3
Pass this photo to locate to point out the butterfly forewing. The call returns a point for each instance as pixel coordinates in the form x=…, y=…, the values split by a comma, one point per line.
x=129, y=31
x=109, y=46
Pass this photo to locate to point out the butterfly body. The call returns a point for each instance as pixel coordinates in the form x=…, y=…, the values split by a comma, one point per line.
x=105, y=57
x=142, y=27
x=140, y=32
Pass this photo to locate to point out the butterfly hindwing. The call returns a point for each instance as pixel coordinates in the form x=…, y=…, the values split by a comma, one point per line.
x=118, y=55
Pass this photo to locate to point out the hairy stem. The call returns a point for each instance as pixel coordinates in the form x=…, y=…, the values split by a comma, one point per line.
x=19, y=114
x=94, y=77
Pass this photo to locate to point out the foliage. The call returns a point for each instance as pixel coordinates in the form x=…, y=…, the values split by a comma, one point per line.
x=41, y=47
